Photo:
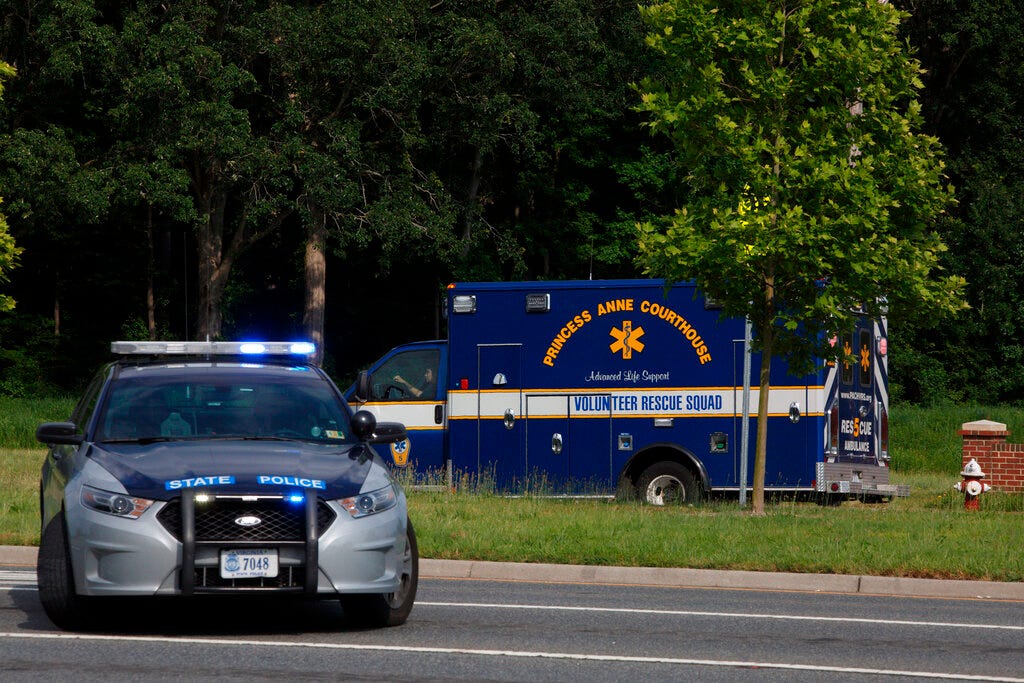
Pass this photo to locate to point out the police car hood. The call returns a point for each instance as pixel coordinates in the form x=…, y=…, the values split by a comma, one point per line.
x=161, y=471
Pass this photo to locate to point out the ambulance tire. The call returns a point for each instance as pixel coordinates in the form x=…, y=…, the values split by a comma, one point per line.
x=62, y=604
x=668, y=483
x=378, y=610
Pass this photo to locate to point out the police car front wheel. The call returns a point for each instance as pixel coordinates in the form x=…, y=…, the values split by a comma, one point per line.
x=388, y=609
x=65, y=608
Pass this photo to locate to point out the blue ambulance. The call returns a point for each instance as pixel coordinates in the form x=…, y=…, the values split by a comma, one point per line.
x=624, y=387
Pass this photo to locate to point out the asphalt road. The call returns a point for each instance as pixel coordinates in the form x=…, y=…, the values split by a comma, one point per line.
x=527, y=627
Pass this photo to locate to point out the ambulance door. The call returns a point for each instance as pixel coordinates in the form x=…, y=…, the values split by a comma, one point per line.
x=569, y=443
x=548, y=442
x=856, y=404
x=404, y=388
x=501, y=455
x=789, y=457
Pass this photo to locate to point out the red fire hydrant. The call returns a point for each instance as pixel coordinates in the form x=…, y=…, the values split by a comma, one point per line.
x=972, y=484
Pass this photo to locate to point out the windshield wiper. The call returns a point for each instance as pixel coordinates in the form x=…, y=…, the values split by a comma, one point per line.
x=141, y=439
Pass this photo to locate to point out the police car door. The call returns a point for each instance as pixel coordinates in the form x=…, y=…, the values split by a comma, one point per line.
x=500, y=428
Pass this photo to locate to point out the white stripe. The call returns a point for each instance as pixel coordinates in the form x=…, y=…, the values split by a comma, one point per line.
x=570, y=656
x=17, y=578
x=732, y=615
x=627, y=402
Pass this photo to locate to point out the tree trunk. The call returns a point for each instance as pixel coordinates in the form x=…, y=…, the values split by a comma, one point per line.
x=472, y=196
x=208, y=246
x=316, y=281
x=150, y=268
x=761, y=445
x=767, y=335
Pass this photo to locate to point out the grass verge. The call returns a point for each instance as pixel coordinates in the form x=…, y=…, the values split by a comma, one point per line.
x=926, y=535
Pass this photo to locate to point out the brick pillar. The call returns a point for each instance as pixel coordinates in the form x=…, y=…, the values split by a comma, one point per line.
x=1002, y=463
x=980, y=437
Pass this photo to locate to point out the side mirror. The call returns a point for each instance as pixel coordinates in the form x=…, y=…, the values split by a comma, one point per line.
x=59, y=434
x=362, y=392
x=389, y=432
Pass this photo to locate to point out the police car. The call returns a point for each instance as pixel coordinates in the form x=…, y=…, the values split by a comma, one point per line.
x=211, y=468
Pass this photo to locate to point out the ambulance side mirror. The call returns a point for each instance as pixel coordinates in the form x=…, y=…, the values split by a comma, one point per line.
x=362, y=392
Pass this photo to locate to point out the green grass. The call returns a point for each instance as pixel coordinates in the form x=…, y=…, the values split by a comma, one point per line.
x=19, y=418
x=926, y=535
x=19, y=502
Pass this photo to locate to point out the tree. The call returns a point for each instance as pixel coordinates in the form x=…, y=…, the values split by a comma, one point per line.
x=8, y=250
x=973, y=53
x=810, y=190
x=344, y=84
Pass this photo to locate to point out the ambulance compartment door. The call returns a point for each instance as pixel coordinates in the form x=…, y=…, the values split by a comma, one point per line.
x=501, y=429
x=856, y=399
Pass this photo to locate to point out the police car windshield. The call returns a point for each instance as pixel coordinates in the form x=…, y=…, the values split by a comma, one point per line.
x=216, y=401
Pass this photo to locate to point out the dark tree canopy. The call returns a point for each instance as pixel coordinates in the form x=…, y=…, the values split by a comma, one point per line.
x=342, y=161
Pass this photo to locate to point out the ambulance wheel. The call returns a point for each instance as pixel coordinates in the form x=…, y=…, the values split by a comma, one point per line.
x=668, y=483
x=65, y=608
x=377, y=610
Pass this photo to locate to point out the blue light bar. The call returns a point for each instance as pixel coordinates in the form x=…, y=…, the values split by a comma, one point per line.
x=253, y=347
x=200, y=348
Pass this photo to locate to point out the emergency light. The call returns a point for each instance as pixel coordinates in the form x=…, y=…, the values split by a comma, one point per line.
x=208, y=348
x=464, y=303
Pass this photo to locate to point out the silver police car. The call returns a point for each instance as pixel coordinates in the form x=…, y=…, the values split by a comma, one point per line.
x=211, y=468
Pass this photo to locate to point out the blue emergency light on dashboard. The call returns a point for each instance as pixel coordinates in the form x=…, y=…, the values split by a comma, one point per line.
x=212, y=348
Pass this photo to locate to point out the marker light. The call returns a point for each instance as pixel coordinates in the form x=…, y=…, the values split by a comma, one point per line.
x=464, y=303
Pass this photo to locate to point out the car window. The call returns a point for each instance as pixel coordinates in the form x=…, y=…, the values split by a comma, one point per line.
x=240, y=404
x=407, y=376
x=87, y=404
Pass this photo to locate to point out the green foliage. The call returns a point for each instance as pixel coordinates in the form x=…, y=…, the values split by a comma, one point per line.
x=974, y=54
x=811, y=191
x=8, y=250
x=797, y=128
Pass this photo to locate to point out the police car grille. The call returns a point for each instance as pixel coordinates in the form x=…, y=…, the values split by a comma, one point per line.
x=216, y=520
x=288, y=577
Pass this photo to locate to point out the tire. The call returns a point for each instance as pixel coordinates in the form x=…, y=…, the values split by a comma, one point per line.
x=668, y=483
x=830, y=500
x=56, y=579
x=378, y=610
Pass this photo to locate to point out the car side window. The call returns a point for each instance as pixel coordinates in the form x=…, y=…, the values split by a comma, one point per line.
x=407, y=376
x=87, y=404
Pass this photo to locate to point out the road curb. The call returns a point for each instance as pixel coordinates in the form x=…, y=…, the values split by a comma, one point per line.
x=714, y=578
x=18, y=554
x=678, y=578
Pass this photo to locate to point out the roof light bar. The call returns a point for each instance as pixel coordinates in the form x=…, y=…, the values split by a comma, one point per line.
x=202, y=348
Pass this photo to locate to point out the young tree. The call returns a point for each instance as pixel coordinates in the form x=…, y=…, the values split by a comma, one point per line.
x=810, y=190
x=8, y=251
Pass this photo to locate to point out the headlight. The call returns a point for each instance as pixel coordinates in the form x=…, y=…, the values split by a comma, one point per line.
x=118, y=504
x=371, y=503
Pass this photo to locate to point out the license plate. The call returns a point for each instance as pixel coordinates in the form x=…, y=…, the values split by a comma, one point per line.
x=248, y=563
